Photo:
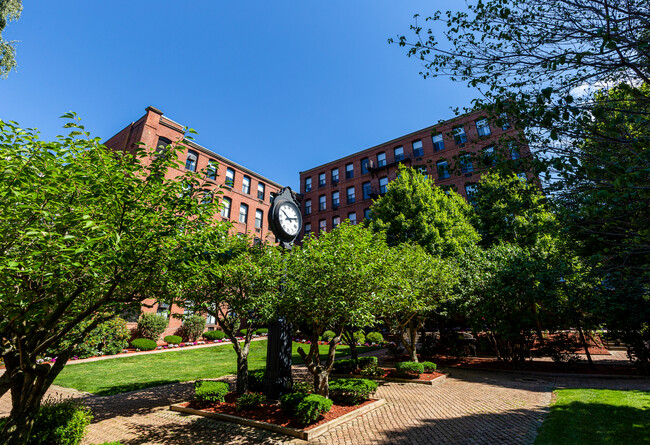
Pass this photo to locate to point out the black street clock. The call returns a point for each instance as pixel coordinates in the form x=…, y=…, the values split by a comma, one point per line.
x=285, y=219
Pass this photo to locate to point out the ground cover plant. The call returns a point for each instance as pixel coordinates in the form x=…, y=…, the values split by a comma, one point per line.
x=209, y=391
x=136, y=372
x=597, y=416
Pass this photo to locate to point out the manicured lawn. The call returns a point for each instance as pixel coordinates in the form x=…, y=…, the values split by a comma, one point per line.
x=597, y=416
x=117, y=375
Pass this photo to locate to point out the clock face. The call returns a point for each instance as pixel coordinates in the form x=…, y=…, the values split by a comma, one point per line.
x=289, y=218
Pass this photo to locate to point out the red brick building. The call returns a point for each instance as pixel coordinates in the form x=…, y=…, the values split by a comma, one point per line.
x=453, y=153
x=246, y=194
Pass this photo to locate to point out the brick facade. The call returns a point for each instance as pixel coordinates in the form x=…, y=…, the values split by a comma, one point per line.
x=149, y=130
x=417, y=150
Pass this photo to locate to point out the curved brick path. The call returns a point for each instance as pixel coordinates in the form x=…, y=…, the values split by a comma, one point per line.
x=471, y=407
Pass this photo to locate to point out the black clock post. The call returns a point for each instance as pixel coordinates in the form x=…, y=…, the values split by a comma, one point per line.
x=285, y=221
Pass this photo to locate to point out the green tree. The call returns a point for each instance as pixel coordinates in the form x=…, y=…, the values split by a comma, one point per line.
x=415, y=211
x=331, y=282
x=415, y=284
x=86, y=233
x=238, y=284
x=9, y=10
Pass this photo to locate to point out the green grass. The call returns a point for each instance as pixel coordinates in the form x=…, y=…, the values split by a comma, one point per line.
x=123, y=374
x=597, y=416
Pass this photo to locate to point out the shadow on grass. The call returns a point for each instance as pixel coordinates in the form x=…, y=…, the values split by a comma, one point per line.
x=117, y=389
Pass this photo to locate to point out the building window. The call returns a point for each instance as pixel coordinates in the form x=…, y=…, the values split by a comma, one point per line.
x=243, y=213
x=505, y=123
x=381, y=159
x=207, y=198
x=308, y=184
x=349, y=171
x=514, y=151
x=470, y=191
x=443, y=169
x=383, y=185
x=212, y=170
x=350, y=193
x=260, y=191
x=335, y=176
x=321, y=180
x=365, y=165
x=230, y=177
x=322, y=225
x=335, y=199
x=438, y=143
x=246, y=185
x=459, y=135
x=307, y=228
x=366, y=213
x=259, y=215
x=336, y=221
x=483, y=127
x=399, y=153
x=210, y=319
x=163, y=309
x=352, y=216
x=308, y=207
x=489, y=157
x=367, y=189
x=417, y=149
x=466, y=163
x=190, y=162
x=225, y=209
x=421, y=169
x=161, y=146
x=322, y=203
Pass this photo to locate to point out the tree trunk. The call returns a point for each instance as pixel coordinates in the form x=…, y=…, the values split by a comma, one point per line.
x=321, y=383
x=585, y=345
x=349, y=339
x=242, y=370
x=413, y=353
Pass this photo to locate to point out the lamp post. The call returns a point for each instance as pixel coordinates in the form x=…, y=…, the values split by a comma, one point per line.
x=285, y=221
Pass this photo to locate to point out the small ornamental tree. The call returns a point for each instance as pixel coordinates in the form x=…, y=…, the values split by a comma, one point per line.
x=415, y=211
x=414, y=285
x=237, y=283
x=331, y=283
x=85, y=233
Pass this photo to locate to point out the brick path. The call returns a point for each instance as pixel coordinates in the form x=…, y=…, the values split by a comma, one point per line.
x=472, y=407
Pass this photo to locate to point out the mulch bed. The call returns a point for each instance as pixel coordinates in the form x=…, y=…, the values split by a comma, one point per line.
x=392, y=374
x=270, y=412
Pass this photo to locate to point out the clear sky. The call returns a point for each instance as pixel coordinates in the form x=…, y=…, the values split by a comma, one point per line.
x=279, y=86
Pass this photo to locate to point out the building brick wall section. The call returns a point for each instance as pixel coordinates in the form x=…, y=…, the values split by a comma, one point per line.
x=418, y=151
x=154, y=125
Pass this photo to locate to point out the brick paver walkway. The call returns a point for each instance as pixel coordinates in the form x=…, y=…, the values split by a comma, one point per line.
x=471, y=407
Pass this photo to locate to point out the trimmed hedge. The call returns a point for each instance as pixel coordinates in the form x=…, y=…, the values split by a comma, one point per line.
x=429, y=367
x=306, y=408
x=409, y=369
x=351, y=391
x=365, y=362
x=210, y=391
x=243, y=332
x=249, y=400
x=261, y=331
x=61, y=422
x=328, y=336
x=303, y=387
x=359, y=337
x=374, y=337
x=151, y=326
x=144, y=344
x=173, y=339
x=214, y=335
x=346, y=366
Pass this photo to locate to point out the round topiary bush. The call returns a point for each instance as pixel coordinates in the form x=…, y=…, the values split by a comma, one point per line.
x=328, y=336
x=375, y=337
x=210, y=391
x=214, y=335
x=144, y=344
x=243, y=332
x=359, y=338
x=429, y=366
x=351, y=391
x=410, y=370
x=262, y=331
x=173, y=339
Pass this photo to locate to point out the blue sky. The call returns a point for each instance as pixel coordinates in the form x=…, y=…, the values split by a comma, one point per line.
x=277, y=86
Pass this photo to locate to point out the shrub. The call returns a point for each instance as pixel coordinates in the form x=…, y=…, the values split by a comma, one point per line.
x=303, y=387
x=344, y=366
x=256, y=380
x=62, y=421
x=151, y=325
x=429, y=366
x=192, y=327
x=173, y=339
x=243, y=332
x=144, y=344
x=249, y=400
x=328, y=336
x=311, y=408
x=372, y=371
x=261, y=331
x=210, y=391
x=409, y=369
x=214, y=335
x=109, y=338
x=351, y=391
x=359, y=338
x=374, y=337
x=364, y=362
x=289, y=402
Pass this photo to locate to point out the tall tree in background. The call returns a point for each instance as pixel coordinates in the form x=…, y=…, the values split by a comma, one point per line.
x=9, y=10
x=415, y=211
x=85, y=233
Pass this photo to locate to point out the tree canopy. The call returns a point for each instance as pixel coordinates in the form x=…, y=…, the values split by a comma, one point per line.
x=9, y=10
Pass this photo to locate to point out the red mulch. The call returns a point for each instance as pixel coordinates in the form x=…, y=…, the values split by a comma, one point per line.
x=270, y=412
